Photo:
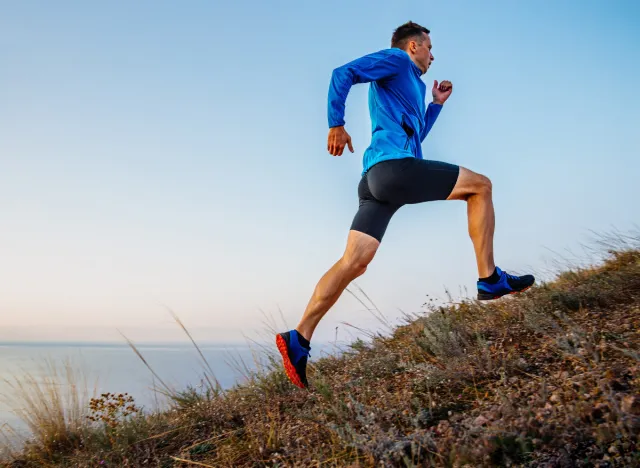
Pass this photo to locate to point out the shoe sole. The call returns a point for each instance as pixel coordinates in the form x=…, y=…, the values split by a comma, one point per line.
x=289, y=369
x=490, y=297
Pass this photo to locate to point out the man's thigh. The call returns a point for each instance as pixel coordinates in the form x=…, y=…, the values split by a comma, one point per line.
x=373, y=217
x=411, y=180
x=468, y=183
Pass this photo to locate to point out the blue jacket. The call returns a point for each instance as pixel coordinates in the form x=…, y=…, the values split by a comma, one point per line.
x=399, y=119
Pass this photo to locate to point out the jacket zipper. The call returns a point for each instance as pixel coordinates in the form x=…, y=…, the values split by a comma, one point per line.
x=406, y=145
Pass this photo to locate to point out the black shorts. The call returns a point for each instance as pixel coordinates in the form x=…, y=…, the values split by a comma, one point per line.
x=392, y=183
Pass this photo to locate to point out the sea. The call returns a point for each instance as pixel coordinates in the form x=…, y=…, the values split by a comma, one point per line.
x=116, y=368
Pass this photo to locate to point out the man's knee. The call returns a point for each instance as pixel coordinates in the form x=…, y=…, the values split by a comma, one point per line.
x=360, y=250
x=357, y=264
x=469, y=184
x=358, y=271
x=480, y=185
x=484, y=185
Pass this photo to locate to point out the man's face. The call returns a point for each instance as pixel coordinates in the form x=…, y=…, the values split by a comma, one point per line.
x=421, y=52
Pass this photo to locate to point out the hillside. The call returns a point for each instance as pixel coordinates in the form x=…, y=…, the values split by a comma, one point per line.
x=547, y=378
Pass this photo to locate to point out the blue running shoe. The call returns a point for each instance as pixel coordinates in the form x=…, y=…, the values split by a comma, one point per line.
x=294, y=357
x=507, y=284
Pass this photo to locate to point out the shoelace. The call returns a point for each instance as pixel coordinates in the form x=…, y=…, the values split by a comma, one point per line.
x=513, y=277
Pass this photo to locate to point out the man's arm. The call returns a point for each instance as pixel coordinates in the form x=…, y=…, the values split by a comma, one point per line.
x=373, y=67
x=433, y=110
x=440, y=94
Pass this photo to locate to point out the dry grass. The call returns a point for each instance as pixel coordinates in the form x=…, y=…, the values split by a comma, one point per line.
x=546, y=378
x=53, y=404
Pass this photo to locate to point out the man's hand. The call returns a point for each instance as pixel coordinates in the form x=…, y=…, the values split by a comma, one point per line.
x=441, y=92
x=338, y=138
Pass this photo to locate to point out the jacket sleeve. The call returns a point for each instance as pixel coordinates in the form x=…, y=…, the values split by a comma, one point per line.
x=373, y=67
x=433, y=110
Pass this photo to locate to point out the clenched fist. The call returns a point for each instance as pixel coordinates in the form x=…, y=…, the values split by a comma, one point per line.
x=441, y=92
x=338, y=138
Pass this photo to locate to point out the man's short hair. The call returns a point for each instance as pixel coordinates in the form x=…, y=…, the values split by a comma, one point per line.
x=408, y=31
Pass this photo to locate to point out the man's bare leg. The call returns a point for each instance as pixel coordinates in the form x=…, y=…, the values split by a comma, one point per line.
x=477, y=191
x=359, y=252
x=294, y=345
x=492, y=281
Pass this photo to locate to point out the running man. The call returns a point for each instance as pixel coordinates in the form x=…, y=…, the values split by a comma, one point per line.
x=395, y=174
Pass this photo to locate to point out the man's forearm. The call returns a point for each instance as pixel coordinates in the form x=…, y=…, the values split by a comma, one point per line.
x=433, y=110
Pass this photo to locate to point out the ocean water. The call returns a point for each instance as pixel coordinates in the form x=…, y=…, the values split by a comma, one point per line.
x=116, y=368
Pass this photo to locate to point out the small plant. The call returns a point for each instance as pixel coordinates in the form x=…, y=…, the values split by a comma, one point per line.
x=111, y=409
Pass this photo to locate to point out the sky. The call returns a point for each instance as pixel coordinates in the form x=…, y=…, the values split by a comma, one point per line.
x=160, y=155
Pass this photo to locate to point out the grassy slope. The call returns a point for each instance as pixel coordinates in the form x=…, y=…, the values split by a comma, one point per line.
x=548, y=377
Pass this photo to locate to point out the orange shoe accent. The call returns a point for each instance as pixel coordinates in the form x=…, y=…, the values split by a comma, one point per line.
x=288, y=365
x=522, y=290
x=513, y=292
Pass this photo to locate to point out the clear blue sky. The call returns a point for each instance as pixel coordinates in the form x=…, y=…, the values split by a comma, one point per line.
x=175, y=153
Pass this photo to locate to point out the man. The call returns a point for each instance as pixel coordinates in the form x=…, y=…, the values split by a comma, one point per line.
x=395, y=174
